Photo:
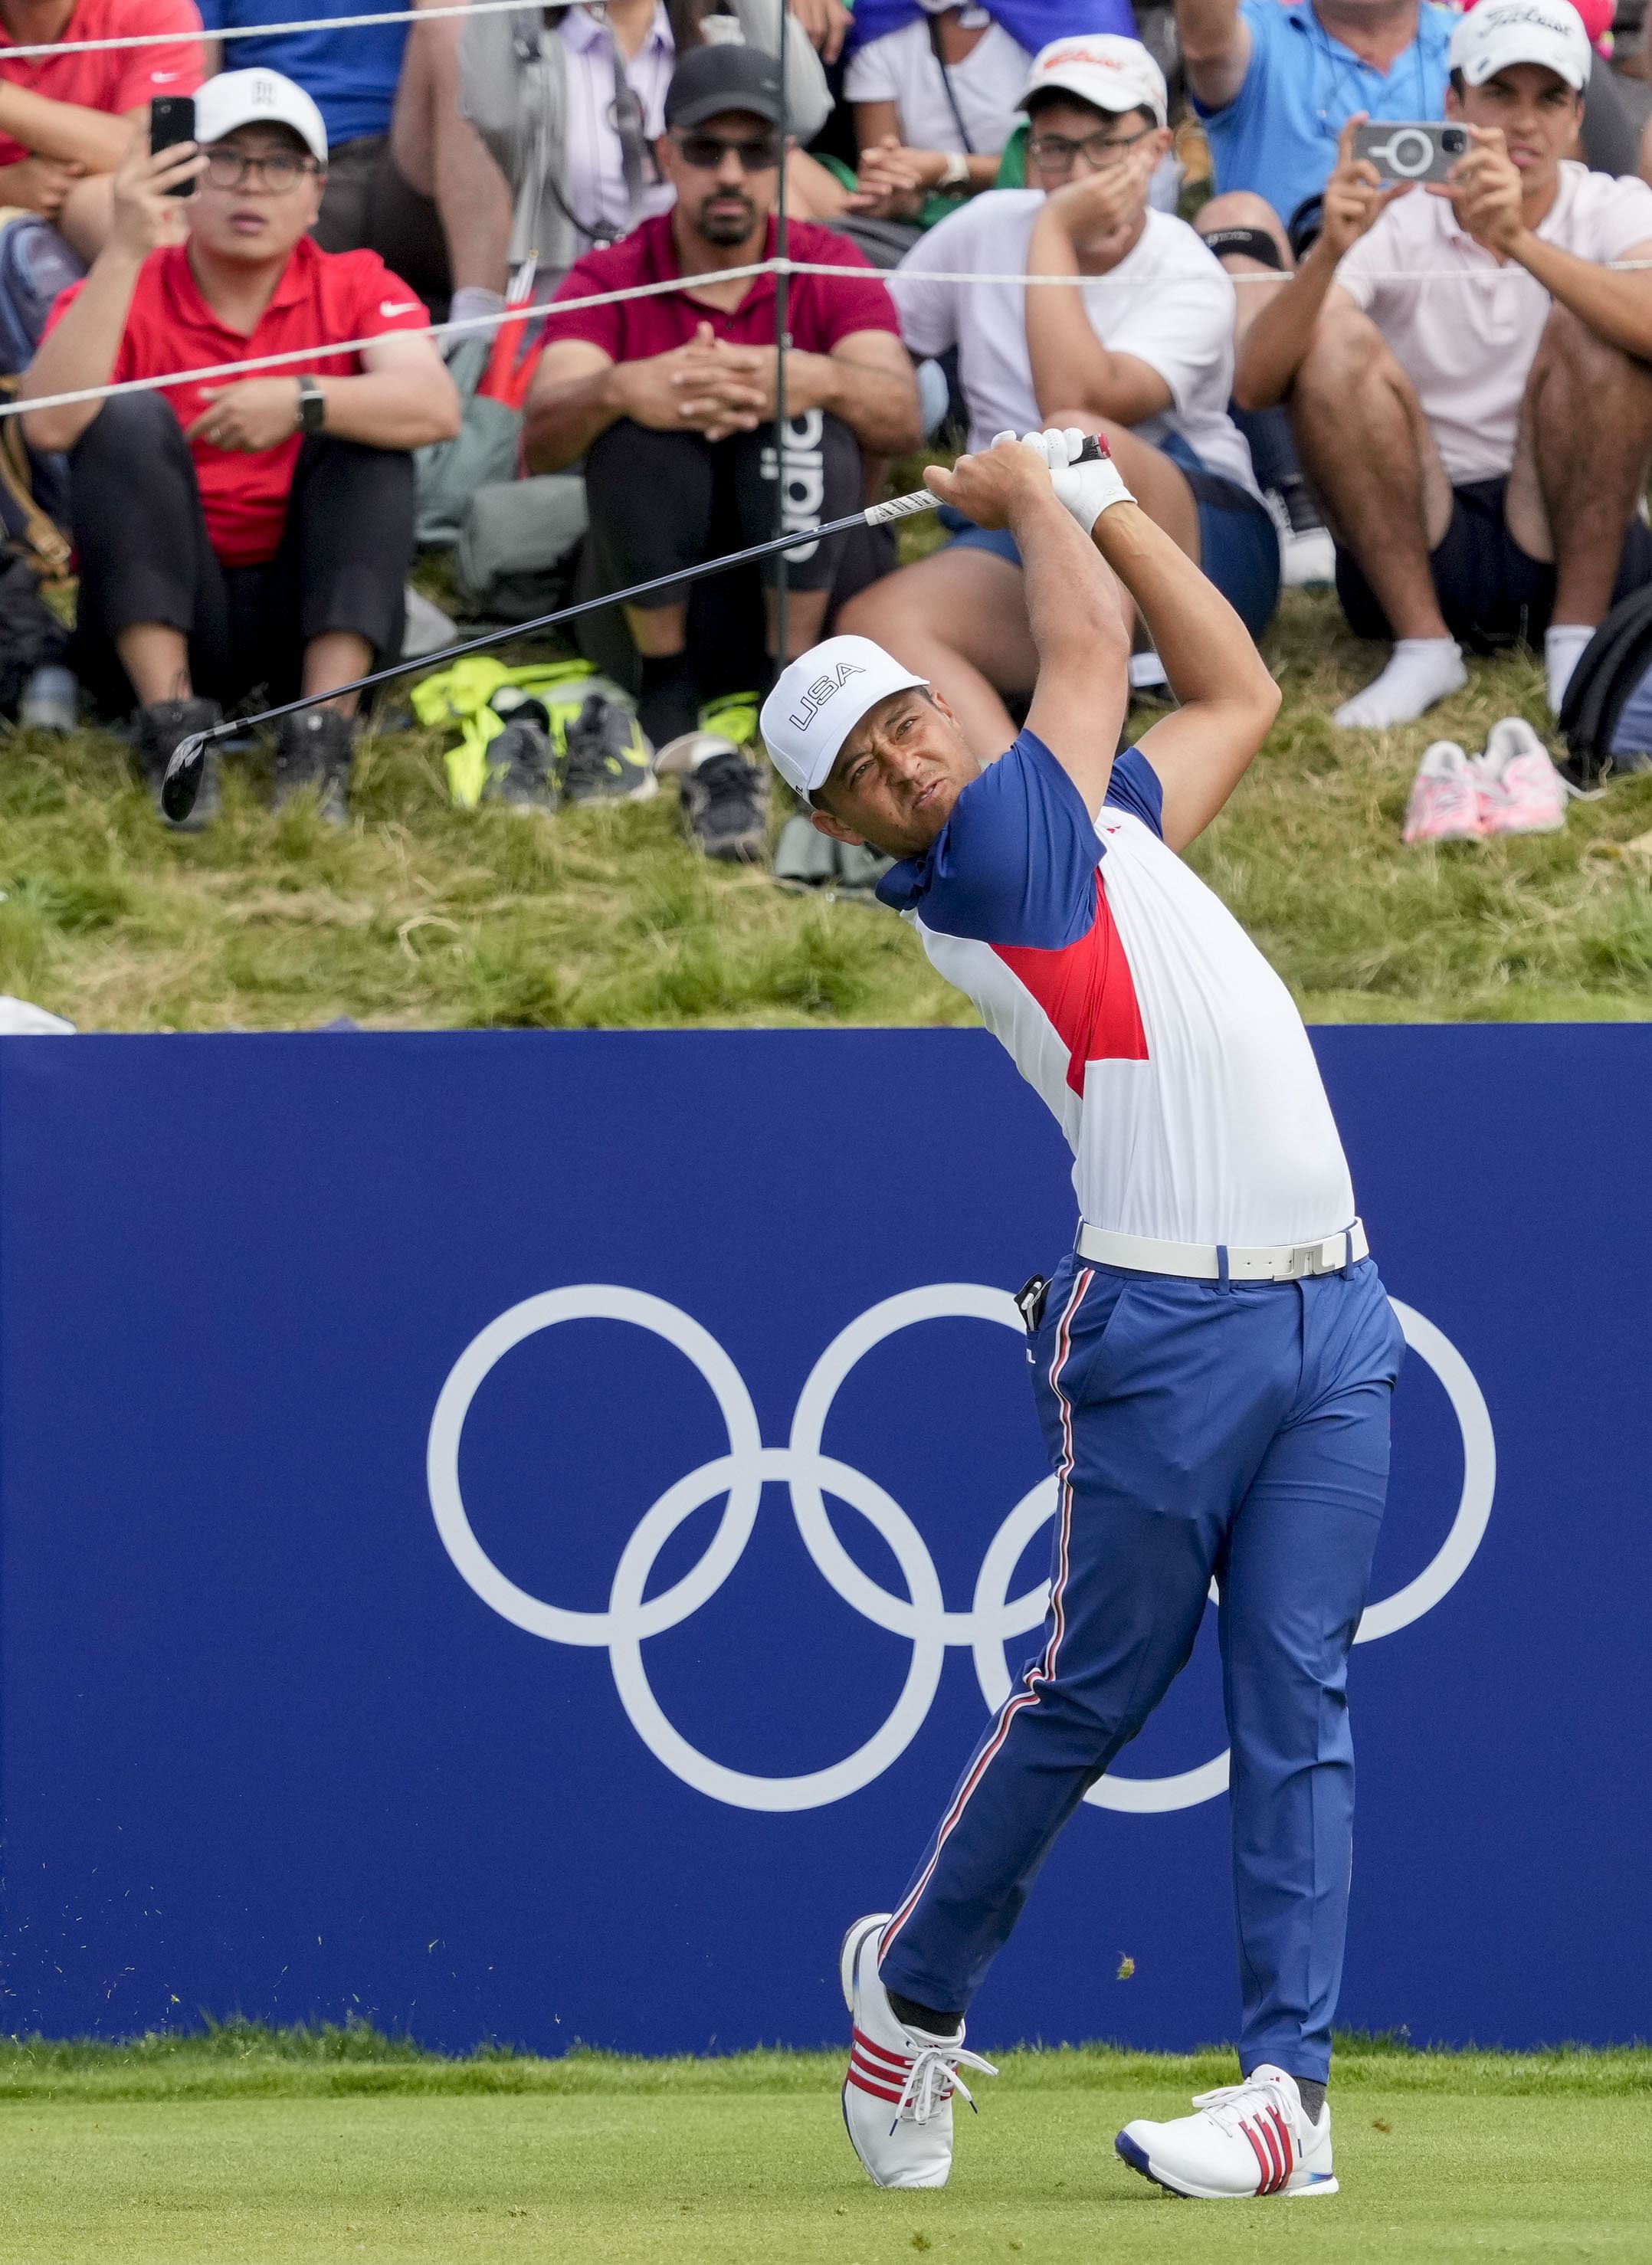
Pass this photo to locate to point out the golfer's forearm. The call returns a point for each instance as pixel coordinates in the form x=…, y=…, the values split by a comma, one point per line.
x=82, y=351
x=1073, y=606
x=879, y=406
x=1616, y=306
x=95, y=139
x=1276, y=343
x=560, y=425
x=1206, y=648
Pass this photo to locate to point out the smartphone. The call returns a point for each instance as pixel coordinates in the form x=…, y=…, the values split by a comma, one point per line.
x=1423, y=149
x=172, y=120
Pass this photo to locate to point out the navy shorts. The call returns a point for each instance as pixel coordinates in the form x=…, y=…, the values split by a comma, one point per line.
x=1490, y=592
x=1239, y=545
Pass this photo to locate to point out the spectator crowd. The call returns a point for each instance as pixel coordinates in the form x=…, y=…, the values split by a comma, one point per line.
x=1436, y=394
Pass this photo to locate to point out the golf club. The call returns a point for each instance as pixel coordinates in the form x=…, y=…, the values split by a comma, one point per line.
x=182, y=781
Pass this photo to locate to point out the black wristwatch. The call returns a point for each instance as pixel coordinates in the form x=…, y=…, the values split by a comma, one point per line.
x=312, y=405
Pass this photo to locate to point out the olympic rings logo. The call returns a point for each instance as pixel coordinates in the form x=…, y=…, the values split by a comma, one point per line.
x=921, y=1617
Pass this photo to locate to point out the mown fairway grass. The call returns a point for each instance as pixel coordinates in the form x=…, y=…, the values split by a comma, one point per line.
x=249, y=2147
x=423, y=915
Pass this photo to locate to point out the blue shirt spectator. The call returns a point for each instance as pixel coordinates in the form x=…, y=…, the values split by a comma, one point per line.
x=1277, y=136
x=351, y=76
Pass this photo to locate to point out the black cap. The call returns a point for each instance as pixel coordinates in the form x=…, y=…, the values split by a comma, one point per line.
x=711, y=80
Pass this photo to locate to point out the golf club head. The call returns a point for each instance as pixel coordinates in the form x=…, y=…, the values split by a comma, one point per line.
x=181, y=782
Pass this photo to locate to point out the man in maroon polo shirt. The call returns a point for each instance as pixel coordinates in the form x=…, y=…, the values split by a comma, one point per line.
x=670, y=402
x=238, y=532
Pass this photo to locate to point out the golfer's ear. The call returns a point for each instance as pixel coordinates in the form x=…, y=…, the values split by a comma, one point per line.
x=825, y=823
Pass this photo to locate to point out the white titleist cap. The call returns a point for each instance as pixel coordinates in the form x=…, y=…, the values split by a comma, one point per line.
x=817, y=703
x=1101, y=69
x=1500, y=32
x=257, y=98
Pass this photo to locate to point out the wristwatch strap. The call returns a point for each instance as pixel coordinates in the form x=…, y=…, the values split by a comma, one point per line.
x=956, y=174
x=312, y=405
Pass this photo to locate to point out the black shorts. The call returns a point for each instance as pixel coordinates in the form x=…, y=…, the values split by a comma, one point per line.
x=1491, y=593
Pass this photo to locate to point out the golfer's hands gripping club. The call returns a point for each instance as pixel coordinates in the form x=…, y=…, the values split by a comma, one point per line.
x=1074, y=465
x=1082, y=472
x=180, y=782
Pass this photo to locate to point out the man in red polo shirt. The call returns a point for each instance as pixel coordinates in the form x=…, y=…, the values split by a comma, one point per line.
x=65, y=119
x=234, y=533
x=670, y=401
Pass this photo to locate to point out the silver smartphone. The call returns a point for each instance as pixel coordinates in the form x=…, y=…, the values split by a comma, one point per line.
x=1421, y=149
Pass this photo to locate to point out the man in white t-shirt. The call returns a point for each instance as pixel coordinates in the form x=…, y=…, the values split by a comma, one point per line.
x=934, y=103
x=1467, y=375
x=1141, y=350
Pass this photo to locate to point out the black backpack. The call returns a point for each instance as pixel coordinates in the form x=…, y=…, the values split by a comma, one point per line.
x=1607, y=715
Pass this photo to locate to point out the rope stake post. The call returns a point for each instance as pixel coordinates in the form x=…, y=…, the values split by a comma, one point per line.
x=182, y=781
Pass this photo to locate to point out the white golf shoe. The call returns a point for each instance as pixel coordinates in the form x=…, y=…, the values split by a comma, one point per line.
x=897, y=2095
x=1249, y=2138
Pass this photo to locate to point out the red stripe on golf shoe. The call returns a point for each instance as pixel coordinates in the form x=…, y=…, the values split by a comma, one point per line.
x=894, y=2063
x=862, y=2082
x=1284, y=2130
x=1264, y=2159
x=1028, y=1696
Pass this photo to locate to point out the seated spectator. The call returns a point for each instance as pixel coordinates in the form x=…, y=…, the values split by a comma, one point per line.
x=256, y=532
x=352, y=77
x=1481, y=446
x=568, y=115
x=934, y=96
x=65, y=120
x=1142, y=353
x=670, y=399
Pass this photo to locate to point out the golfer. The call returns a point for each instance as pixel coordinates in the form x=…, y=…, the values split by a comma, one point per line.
x=1215, y=1360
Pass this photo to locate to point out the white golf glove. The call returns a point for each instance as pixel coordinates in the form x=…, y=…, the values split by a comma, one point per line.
x=1086, y=489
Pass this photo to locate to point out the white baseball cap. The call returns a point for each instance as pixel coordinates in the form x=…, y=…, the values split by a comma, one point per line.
x=1102, y=69
x=257, y=98
x=817, y=703
x=1499, y=32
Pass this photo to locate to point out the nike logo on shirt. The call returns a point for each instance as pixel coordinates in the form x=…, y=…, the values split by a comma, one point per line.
x=399, y=306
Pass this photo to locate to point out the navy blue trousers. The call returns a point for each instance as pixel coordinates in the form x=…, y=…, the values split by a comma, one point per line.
x=1197, y=1431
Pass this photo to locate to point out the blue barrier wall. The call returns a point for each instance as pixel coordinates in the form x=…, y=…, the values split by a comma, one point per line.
x=320, y=1693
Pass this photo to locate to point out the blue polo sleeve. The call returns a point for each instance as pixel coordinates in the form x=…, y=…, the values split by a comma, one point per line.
x=1136, y=786
x=1014, y=863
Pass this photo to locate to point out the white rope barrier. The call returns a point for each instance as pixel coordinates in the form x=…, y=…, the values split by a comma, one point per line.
x=305, y=357
x=261, y=31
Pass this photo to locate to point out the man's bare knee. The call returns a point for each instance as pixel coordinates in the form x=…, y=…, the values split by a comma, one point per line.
x=1346, y=354
x=1579, y=358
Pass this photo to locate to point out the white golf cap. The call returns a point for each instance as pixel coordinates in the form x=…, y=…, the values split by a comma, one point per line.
x=817, y=703
x=1500, y=32
x=257, y=98
x=1102, y=69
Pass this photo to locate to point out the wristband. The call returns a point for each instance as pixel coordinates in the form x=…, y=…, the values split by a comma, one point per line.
x=956, y=175
x=312, y=405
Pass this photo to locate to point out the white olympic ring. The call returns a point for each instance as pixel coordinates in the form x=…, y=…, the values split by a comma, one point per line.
x=920, y=1616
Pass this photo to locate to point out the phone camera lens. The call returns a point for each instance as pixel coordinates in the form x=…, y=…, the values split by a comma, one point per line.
x=1453, y=140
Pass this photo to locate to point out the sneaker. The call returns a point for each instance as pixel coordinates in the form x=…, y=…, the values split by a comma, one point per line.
x=733, y=718
x=50, y=701
x=163, y=728
x=1249, y=2138
x=316, y=749
x=1307, y=555
x=897, y=2095
x=606, y=758
x=1445, y=803
x=1521, y=791
x=522, y=767
x=725, y=798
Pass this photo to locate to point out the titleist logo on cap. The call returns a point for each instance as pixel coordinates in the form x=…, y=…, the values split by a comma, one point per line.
x=821, y=691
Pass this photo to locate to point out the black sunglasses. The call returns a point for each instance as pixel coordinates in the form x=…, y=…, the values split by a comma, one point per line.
x=705, y=152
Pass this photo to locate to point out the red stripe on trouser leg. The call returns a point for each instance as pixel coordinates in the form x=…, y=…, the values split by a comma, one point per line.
x=1264, y=2159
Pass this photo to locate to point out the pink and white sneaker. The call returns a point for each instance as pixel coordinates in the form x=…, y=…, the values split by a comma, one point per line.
x=897, y=2095
x=1249, y=2138
x=1445, y=803
x=1521, y=791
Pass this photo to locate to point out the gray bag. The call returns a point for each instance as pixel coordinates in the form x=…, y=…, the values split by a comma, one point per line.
x=448, y=473
x=516, y=543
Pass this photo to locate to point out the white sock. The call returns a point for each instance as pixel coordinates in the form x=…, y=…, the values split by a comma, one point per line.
x=1420, y=671
x=472, y=301
x=1563, y=645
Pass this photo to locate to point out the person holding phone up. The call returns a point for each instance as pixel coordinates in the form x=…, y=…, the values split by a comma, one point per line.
x=1470, y=376
x=251, y=531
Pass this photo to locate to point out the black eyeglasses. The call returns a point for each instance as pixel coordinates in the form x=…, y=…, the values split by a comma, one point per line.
x=705, y=152
x=228, y=169
x=1055, y=153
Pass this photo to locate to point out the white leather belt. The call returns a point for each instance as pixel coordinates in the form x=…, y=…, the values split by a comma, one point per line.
x=1204, y=1262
